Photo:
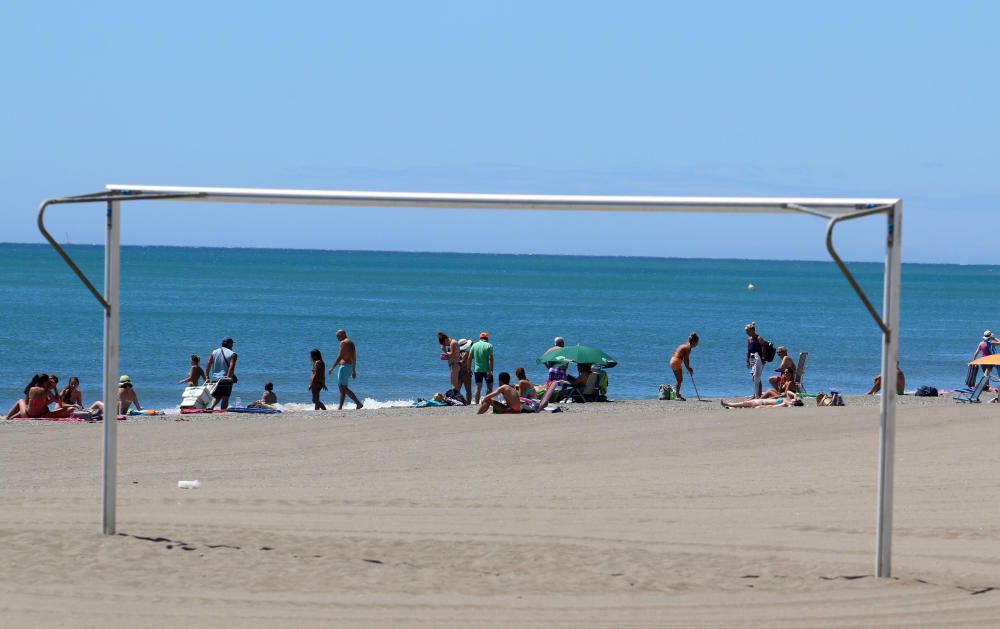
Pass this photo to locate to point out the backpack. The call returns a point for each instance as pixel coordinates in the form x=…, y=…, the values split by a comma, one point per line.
x=665, y=391
x=926, y=391
x=769, y=351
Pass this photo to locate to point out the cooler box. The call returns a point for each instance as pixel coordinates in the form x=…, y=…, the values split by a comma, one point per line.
x=196, y=397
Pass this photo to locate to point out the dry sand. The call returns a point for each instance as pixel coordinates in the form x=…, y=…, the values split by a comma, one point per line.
x=624, y=514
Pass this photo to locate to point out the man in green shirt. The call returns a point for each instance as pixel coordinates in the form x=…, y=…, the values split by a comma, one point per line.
x=482, y=363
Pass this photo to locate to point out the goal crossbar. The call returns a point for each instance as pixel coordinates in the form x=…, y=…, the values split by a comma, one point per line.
x=835, y=210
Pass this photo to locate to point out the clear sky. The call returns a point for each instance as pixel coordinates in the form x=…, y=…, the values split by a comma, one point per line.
x=894, y=99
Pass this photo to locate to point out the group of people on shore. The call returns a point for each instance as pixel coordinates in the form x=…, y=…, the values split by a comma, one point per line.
x=468, y=362
x=42, y=392
x=221, y=375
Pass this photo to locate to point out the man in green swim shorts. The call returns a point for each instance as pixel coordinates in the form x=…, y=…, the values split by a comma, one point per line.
x=346, y=366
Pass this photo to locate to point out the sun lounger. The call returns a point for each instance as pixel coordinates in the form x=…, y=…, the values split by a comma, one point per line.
x=799, y=370
x=971, y=396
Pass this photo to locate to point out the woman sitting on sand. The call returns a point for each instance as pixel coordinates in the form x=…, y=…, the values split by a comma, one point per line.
x=789, y=399
x=524, y=386
x=71, y=396
x=37, y=397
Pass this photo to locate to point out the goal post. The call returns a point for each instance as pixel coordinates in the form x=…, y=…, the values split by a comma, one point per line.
x=835, y=210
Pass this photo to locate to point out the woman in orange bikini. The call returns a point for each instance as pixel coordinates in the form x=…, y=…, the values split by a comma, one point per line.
x=682, y=357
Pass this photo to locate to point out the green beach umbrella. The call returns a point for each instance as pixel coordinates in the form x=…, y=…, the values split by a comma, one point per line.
x=580, y=354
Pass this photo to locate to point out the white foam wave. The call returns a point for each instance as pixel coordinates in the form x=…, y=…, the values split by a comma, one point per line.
x=367, y=402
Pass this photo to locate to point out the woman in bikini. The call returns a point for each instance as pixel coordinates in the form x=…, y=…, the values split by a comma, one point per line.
x=318, y=380
x=789, y=399
x=524, y=386
x=37, y=397
x=71, y=396
x=682, y=358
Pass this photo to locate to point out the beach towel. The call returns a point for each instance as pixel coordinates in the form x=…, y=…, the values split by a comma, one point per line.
x=253, y=410
x=195, y=411
x=135, y=413
x=51, y=418
x=426, y=403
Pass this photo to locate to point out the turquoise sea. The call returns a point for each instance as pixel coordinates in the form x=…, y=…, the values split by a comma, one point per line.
x=279, y=304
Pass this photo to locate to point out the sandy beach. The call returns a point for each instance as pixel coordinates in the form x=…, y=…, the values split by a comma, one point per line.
x=638, y=513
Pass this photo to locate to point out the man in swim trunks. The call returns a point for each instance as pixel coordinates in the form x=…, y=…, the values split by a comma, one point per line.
x=222, y=372
x=346, y=366
x=482, y=363
x=682, y=357
x=509, y=394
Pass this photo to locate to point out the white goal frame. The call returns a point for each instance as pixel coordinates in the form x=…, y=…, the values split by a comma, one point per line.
x=834, y=210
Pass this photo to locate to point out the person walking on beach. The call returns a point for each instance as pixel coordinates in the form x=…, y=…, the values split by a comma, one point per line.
x=755, y=357
x=682, y=357
x=317, y=382
x=347, y=368
x=222, y=373
x=482, y=363
x=195, y=374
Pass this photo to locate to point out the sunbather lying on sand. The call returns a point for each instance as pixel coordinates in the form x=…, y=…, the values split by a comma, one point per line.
x=789, y=399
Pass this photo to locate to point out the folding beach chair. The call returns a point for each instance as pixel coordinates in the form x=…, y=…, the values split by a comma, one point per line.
x=972, y=395
x=588, y=392
x=798, y=372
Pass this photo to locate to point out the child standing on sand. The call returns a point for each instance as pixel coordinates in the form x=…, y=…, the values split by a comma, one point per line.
x=195, y=374
x=682, y=357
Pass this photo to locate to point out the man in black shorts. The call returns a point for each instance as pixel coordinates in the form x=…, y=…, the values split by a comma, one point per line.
x=482, y=363
x=222, y=372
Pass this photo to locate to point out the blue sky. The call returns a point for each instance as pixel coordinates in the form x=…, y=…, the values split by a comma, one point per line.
x=894, y=99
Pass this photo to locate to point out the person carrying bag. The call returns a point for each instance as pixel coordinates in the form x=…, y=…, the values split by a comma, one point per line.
x=222, y=373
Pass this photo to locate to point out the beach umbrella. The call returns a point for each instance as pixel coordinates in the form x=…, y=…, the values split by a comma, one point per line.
x=580, y=354
x=986, y=361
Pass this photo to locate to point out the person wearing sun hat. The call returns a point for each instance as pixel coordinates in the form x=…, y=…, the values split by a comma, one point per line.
x=985, y=348
x=126, y=396
x=482, y=363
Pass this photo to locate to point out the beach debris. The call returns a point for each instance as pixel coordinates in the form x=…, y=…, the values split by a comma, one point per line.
x=188, y=484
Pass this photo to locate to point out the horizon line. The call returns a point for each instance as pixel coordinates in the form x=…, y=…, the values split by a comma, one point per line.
x=470, y=253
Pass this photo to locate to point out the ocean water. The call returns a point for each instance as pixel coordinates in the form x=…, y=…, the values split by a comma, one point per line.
x=280, y=304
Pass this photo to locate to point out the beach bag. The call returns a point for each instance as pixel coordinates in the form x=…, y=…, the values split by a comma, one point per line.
x=769, y=351
x=926, y=391
x=666, y=391
x=971, y=376
x=454, y=398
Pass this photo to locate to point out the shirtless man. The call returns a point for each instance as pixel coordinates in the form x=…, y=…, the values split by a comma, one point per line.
x=682, y=356
x=558, y=343
x=347, y=368
x=785, y=368
x=508, y=393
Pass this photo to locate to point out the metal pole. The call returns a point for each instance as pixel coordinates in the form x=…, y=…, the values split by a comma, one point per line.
x=112, y=267
x=890, y=358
